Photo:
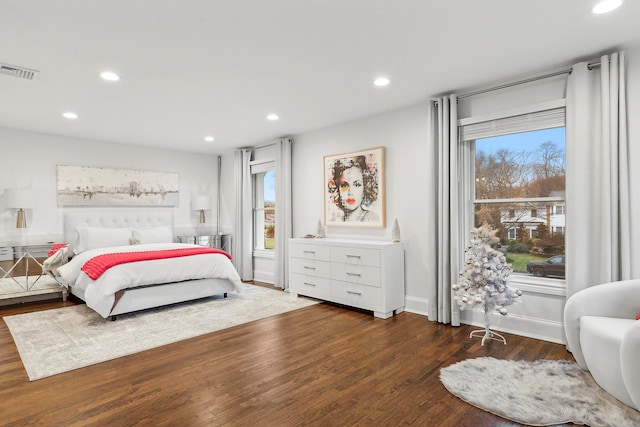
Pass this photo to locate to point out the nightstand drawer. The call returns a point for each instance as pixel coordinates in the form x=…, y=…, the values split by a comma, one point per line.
x=6, y=253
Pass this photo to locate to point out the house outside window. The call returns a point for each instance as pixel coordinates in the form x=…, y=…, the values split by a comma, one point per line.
x=518, y=175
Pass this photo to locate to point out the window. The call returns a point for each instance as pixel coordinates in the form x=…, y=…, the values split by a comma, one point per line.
x=517, y=167
x=264, y=210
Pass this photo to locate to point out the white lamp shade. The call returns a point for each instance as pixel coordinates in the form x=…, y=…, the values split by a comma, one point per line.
x=20, y=198
x=201, y=203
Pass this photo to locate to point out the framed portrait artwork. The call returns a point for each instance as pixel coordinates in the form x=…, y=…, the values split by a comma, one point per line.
x=354, y=188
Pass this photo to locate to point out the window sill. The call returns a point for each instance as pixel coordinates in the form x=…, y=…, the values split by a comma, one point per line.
x=264, y=253
x=539, y=285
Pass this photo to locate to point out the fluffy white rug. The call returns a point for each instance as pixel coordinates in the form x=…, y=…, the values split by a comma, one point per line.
x=60, y=340
x=537, y=393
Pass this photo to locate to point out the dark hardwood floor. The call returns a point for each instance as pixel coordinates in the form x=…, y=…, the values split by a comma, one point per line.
x=322, y=365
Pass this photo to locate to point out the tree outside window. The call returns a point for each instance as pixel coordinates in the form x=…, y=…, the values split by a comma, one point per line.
x=520, y=191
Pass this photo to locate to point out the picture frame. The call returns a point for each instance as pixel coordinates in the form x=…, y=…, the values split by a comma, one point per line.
x=354, y=188
x=96, y=186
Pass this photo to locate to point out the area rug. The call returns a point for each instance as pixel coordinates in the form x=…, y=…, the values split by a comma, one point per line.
x=540, y=393
x=54, y=341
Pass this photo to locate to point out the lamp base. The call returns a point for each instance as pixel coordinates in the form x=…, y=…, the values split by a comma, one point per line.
x=22, y=219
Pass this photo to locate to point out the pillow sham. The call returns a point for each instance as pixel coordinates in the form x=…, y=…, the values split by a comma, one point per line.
x=97, y=237
x=144, y=236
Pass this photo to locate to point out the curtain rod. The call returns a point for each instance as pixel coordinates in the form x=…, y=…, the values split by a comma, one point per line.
x=590, y=66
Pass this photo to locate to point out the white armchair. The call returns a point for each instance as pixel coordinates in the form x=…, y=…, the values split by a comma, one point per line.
x=604, y=336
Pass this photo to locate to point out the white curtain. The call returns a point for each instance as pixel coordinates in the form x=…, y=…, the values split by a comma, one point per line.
x=283, y=212
x=243, y=241
x=443, y=128
x=597, y=242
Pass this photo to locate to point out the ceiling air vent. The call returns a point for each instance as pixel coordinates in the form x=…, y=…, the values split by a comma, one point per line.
x=20, y=72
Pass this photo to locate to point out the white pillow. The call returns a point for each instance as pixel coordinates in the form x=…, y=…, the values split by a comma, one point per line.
x=97, y=237
x=143, y=236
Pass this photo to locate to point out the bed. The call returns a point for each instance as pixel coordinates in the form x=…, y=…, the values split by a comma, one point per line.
x=154, y=281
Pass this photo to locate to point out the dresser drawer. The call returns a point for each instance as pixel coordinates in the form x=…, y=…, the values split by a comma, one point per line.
x=310, y=251
x=368, y=274
x=317, y=287
x=310, y=267
x=356, y=256
x=355, y=295
x=359, y=274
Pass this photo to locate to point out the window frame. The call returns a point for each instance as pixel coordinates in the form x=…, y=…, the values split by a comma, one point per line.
x=467, y=201
x=259, y=168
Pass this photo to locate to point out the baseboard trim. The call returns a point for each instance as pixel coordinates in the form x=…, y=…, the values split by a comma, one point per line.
x=416, y=305
x=541, y=329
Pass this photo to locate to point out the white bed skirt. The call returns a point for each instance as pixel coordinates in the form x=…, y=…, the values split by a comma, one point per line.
x=170, y=293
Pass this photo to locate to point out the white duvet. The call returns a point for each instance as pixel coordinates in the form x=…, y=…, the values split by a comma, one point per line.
x=100, y=293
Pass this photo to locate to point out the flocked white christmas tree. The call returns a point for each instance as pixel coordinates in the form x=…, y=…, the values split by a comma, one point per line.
x=484, y=280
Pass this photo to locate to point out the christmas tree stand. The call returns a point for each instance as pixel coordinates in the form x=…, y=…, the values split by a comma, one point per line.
x=487, y=333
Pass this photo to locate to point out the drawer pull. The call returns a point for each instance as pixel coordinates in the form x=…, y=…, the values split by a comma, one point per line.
x=310, y=284
x=309, y=268
x=353, y=274
x=353, y=256
x=354, y=293
x=309, y=252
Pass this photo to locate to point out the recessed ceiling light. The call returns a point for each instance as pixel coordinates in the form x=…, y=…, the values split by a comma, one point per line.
x=209, y=138
x=381, y=81
x=606, y=6
x=70, y=115
x=272, y=117
x=109, y=75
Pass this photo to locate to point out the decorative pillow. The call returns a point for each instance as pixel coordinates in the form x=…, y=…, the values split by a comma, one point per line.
x=143, y=236
x=97, y=237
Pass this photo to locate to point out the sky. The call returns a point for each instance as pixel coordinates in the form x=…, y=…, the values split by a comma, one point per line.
x=270, y=186
x=526, y=141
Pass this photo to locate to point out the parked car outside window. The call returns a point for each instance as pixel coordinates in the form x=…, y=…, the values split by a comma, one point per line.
x=553, y=266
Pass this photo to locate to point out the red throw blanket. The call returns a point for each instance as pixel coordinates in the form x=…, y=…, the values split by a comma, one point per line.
x=101, y=263
x=55, y=248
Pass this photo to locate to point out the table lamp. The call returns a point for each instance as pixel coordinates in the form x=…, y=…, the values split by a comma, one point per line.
x=21, y=199
x=201, y=203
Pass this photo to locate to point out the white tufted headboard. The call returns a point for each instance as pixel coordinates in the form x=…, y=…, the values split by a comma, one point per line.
x=116, y=217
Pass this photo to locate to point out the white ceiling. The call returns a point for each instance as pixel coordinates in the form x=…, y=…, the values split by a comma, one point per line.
x=192, y=68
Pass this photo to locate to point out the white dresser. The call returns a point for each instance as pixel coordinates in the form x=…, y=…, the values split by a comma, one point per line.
x=363, y=274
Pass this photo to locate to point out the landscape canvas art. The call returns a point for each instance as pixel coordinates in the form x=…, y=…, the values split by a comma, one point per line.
x=92, y=186
x=354, y=188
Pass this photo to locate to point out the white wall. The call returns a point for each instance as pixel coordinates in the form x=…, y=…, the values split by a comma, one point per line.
x=408, y=173
x=30, y=159
x=410, y=196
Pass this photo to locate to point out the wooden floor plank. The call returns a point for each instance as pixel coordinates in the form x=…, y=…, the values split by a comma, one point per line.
x=322, y=365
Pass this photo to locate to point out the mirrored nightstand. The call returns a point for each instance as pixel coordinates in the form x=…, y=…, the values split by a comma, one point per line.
x=220, y=241
x=22, y=278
